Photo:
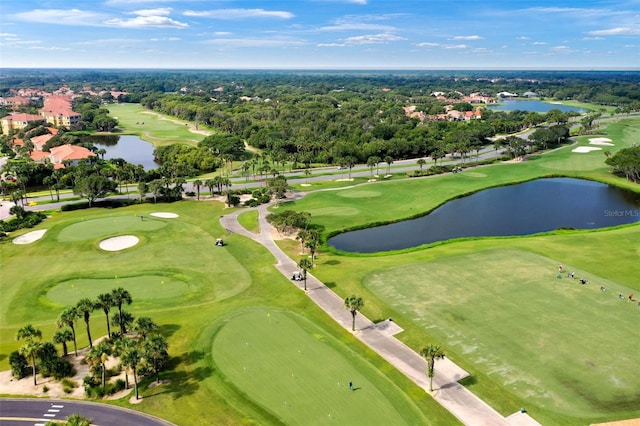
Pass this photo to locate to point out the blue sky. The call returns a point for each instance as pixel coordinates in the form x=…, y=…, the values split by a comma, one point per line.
x=343, y=34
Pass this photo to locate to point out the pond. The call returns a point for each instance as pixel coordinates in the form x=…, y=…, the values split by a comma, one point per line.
x=130, y=148
x=523, y=209
x=532, y=106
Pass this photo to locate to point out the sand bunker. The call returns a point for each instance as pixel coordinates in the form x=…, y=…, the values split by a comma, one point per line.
x=600, y=141
x=29, y=237
x=119, y=243
x=165, y=215
x=583, y=149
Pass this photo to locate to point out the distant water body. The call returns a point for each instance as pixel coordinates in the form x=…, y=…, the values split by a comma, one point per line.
x=532, y=106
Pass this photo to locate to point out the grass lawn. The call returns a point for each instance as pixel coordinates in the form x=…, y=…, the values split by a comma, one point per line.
x=505, y=320
x=249, y=220
x=153, y=127
x=507, y=313
x=301, y=374
x=193, y=290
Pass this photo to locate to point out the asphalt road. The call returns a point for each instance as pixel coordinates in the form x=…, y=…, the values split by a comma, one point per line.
x=14, y=412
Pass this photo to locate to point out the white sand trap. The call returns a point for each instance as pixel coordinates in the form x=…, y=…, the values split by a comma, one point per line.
x=165, y=215
x=583, y=149
x=600, y=141
x=29, y=237
x=119, y=243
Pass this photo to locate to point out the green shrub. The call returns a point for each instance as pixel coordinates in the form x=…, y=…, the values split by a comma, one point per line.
x=19, y=365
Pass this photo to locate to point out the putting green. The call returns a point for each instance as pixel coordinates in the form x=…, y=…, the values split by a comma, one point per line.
x=143, y=287
x=288, y=366
x=563, y=346
x=359, y=193
x=106, y=226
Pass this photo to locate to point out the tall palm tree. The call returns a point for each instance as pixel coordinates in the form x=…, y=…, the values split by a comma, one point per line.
x=98, y=355
x=431, y=353
x=197, y=183
x=353, y=304
x=143, y=327
x=389, y=160
x=155, y=350
x=61, y=337
x=85, y=307
x=105, y=302
x=120, y=297
x=305, y=264
x=132, y=357
x=313, y=241
x=68, y=318
x=33, y=346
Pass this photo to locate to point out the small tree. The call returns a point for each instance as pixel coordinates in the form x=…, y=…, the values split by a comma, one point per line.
x=431, y=353
x=155, y=352
x=32, y=347
x=61, y=337
x=68, y=318
x=305, y=264
x=132, y=357
x=85, y=307
x=105, y=302
x=353, y=304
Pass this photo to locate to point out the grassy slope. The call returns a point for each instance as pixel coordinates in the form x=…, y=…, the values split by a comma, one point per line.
x=611, y=255
x=210, y=283
x=156, y=129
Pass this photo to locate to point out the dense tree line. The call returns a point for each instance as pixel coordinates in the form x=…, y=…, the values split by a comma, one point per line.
x=626, y=162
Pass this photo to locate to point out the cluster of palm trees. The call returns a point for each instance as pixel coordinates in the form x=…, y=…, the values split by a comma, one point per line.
x=216, y=183
x=136, y=343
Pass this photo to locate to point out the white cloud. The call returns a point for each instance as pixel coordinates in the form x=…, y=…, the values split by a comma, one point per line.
x=233, y=14
x=539, y=43
x=256, y=42
x=523, y=38
x=615, y=31
x=456, y=46
x=146, y=22
x=330, y=45
x=382, y=38
x=75, y=17
x=471, y=37
x=593, y=38
x=8, y=35
x=357, y=26
x=161, y=11
x=427, y=44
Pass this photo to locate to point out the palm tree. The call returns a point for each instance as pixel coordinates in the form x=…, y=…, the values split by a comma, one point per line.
x=353, y=304
x=32, y=347
x=211, y=184
x=431, y=353
x=61, y=337
x=197, y=183
x=77, y=420
x=155, y=350
x=99, y=354
x=85, y=307
x=132, y=357
x=143, y=327
x=120, y=345
x=373, y=162
x=302, y=237
x=305, y=264
x=105, y=302
x=68, y=318
x=122, y=319
x=421, y=162
x=312, y=243
x=121, y=296
x=389, y=160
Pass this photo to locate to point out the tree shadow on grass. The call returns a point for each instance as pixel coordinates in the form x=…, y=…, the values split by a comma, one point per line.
x=330, y=284
x=332, y=262
x=468, y=381
x=168, y=330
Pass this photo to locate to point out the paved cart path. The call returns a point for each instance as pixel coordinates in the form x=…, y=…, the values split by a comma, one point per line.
x=463, y=404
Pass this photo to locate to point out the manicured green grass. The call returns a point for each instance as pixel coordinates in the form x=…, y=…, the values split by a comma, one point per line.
x=301, y=374
x=506, y=312
x=484, y=310
x=190, y=288
x=249, y=220
x=156, y=129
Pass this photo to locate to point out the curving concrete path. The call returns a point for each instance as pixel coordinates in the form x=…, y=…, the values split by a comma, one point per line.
x=463, y=404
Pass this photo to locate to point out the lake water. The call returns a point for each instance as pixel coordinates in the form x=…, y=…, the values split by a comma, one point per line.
x=523, y=209
x=532, y=105
x=130, y=148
